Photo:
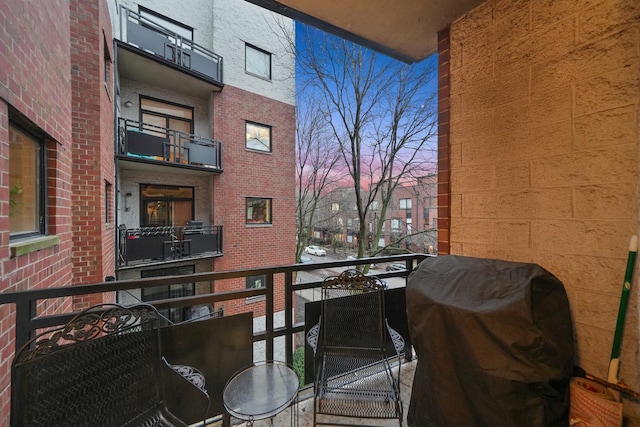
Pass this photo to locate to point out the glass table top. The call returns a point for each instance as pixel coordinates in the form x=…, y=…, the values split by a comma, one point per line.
x=260, y=391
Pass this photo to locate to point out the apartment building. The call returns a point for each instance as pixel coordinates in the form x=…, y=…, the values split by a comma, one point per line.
x=204, y=108
x=141, y=139
x=410, y=222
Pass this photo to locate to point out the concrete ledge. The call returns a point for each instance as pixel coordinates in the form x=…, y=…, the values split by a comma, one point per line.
x=27, y=246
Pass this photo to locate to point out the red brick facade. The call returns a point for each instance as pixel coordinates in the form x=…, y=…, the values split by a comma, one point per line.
x=35, y=88
x=52, y=81
x=93, y=165
x=444, y=159
x=253, y=174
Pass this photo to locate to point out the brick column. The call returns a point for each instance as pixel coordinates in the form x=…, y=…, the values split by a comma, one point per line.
x=444, y=160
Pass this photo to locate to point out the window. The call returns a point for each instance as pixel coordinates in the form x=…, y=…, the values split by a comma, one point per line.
x=258, y=137
x=258, y=210
x=349, y=222
x=405, y=203
x=374, y=205
x=108, y=192
x=164, y=116
x=178, y=28
x=106, y=65
x=165, y=205
x=335, y=207
x=257, y=62
x=27, y=184
x=254, y=282
x=395, y=224
x=169, y=291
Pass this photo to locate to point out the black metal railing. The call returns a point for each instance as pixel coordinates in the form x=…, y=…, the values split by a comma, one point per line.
x=30, y=304
x=151, y=36
x=149, y=143
x=168, y=242
x=234, y=332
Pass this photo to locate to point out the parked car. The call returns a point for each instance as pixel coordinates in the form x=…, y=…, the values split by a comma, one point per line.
x=353, y=257
x=353, y=272
x=395, y=267
x=305, y=259
x=315, y=250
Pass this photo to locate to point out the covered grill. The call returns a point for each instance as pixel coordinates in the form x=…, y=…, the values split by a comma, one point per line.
x=494, y=341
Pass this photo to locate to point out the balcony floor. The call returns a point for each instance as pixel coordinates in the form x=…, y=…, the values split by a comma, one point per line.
x=305, y=407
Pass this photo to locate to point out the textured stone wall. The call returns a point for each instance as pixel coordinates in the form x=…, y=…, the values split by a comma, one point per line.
x=543, y=153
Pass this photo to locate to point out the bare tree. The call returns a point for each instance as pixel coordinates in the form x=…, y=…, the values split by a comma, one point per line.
x=316, y=171
x=382, y=113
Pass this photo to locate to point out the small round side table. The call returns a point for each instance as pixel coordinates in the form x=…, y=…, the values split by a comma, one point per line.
x=262, y=391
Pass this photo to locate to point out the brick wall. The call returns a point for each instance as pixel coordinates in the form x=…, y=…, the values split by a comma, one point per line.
x=35, y=81
x=543, y=153
x=93, y=164
x=251, y=174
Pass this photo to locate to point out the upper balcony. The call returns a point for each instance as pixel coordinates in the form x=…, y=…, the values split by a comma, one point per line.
x=150, y=52
x=151, y=245
x=144, y=143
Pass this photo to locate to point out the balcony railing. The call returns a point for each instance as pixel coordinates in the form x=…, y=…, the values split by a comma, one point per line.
x=152, y=37
x=168, y=243
x=230, y=338
x=148, y=143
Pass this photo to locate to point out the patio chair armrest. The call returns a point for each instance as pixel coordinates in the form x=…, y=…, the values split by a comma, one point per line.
x=189, y=373
x=398, y=341
x=312, y=336
x=185, y=392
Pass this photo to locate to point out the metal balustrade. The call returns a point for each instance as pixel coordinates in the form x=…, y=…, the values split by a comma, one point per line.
x=148, y=143
x=167, y=242
x=30, y=304
x=154, y=38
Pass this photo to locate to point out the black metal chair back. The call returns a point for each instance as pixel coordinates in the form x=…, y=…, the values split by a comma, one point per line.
x=103, y=368
x=353, y=376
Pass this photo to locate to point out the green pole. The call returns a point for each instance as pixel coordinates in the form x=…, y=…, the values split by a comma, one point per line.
x=614, y=361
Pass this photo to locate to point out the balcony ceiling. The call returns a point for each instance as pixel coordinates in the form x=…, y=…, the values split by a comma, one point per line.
x=137, y=65
x=404, y=29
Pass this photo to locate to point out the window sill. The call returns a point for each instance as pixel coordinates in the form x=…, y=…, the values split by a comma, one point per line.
x=266, y=79
x=30, y=245
x=256, y=225
x=252, y=150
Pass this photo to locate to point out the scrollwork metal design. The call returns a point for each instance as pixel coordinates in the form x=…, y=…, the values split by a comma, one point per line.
x=190, y=374
x=398, y=341
x=312, y=336
x=97, y=321
x=349, y=281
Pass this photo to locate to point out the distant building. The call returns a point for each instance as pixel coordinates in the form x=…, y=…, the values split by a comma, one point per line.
x=410, y=221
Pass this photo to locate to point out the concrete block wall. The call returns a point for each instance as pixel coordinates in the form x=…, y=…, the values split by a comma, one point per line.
x=130, y=183
x=35, y=82
x=541, y=153
x=238, y=22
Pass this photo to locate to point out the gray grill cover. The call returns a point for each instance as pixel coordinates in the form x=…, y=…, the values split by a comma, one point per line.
x=494, y=341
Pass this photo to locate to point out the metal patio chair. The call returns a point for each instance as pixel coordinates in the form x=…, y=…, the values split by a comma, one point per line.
x=103, y=368
x=352, y=353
